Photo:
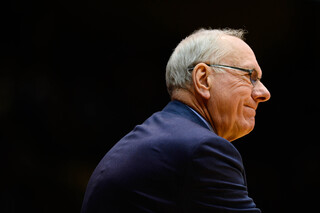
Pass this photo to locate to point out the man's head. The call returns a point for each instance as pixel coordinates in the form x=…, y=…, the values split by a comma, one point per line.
x=226, y=96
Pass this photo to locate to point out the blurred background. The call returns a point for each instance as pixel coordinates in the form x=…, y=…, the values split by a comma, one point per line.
x=76, y=76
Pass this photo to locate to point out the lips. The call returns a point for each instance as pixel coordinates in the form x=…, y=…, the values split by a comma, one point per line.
x=254, y=108
x=251, y=106
x=251, y=110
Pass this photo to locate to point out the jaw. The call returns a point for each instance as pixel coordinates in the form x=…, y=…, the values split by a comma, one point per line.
x=233, y=129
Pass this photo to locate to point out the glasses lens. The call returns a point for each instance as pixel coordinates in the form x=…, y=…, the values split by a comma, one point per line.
x=254, y=77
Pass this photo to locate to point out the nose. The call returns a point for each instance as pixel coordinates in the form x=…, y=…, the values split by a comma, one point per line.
x=260, y=93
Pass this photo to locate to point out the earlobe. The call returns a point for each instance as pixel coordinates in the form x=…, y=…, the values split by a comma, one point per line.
x=200, y=76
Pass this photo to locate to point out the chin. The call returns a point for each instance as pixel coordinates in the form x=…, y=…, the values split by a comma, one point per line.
x=241, y=128
x=249, y=125
x=246, y=127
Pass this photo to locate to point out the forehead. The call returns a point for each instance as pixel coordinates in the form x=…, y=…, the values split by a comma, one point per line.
x=240, y=54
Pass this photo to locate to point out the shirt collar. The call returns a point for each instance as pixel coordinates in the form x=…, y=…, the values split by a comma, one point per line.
x=206, y=122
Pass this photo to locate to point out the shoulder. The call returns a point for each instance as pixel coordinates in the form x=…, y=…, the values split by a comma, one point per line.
x=169, y=126
x=197, y=143
x=175, y=130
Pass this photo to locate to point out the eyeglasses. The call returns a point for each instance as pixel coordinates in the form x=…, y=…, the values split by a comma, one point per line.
x=252, y=72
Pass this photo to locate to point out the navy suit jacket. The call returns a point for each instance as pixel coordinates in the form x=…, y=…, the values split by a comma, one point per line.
x=170, y=163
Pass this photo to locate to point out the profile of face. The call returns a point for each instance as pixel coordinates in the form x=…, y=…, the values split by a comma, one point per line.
x=232, y=99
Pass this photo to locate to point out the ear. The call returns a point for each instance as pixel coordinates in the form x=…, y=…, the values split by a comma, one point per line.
x=201, y=81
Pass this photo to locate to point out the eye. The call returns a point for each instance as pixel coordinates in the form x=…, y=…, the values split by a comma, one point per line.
x=254, y=77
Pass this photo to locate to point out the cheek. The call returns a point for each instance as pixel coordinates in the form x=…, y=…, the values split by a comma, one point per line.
x=238, y=100
x=242, y=115
x=229, y=100
x=228, y=107
x=229, y=97
x=242, y=109
x=245, y=116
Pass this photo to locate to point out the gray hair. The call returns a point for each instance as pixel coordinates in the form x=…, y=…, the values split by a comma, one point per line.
x=201, y=46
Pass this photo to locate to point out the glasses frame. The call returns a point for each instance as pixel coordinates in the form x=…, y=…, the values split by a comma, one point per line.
x=250, y=71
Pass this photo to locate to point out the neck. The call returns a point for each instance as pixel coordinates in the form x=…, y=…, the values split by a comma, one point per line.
x=189, y=98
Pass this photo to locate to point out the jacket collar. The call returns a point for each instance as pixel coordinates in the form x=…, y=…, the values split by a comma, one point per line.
x=179, y=108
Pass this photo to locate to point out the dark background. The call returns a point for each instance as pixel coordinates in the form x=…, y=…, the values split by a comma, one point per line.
x=76, y=76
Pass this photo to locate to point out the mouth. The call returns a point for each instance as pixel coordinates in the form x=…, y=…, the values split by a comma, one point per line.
x=252, y=107
x=251, y=110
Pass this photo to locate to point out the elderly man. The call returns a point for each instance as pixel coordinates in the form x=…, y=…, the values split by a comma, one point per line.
x=181, y=158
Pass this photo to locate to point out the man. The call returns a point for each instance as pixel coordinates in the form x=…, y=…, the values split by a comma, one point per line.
x=181, y=159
